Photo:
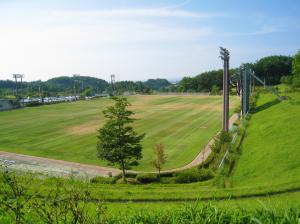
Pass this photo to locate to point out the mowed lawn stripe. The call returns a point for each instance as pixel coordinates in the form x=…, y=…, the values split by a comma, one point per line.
x=67, y=131
x=185, y=138
x=192, y=138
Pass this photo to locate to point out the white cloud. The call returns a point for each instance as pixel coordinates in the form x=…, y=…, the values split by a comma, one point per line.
x=261, y=31
x=65, y=43
x=130, y=13
x=132, y=43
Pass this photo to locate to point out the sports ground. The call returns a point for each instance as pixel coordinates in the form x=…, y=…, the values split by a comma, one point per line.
x=68, y=131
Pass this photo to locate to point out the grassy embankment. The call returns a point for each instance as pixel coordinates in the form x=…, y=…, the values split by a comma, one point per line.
x=271, y=148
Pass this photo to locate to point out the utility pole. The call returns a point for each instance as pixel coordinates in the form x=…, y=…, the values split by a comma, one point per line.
x=224, y=55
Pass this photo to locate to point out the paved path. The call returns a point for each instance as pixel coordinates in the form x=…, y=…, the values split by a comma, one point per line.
x=53, y=167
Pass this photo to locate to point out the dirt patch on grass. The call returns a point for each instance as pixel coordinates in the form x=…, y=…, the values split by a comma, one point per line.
x=83, y=129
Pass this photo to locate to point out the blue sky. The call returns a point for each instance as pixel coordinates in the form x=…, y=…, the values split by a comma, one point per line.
x=137, y=40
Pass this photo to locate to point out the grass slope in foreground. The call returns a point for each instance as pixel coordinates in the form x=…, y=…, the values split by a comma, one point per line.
x=67, y=131
x=271, y=148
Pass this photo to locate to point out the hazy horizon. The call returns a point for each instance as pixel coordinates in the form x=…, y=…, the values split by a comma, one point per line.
x=108, y=78
x=139, y=40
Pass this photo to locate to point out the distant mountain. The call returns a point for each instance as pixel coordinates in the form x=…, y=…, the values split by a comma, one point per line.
x=157, y=84
x=63, y=85
x=79, y=82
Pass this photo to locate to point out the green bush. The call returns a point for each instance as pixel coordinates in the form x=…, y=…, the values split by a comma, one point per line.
x=187, y=177
x=167, y=174
x=167, y=180
x=15, y=103
x=190, y=176
x=128, y=181
x=205, y=174
x=102, y=180
x=147, y=177
x=128, y=174
x=238, y=109
x=34, y=104
x=286, y=79
x=208, y=161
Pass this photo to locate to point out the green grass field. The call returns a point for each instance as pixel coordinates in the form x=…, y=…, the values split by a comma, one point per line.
x=266, y=178
x=67, y=131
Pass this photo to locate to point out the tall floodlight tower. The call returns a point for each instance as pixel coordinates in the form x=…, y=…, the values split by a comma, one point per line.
x=112, y=81
x=16, y=77
x=224, y=55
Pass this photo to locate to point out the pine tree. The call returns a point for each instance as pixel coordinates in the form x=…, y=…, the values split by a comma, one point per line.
x=118, y=142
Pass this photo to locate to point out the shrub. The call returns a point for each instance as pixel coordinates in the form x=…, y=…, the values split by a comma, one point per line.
x=167, y=174
x=286, y=79
x=187, y=177
x=34, y=104
x=15, y=103
x=102, y=180
x=127, y=181
x=238, y=109
x=128, y=174
x=216, y=146
x=167, y=180
x=240, y=130
x=208, y=161
x=205, y=174
x=190, y=176
x=147, y=177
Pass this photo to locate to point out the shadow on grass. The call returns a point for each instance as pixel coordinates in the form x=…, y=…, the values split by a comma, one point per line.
x=265, y=106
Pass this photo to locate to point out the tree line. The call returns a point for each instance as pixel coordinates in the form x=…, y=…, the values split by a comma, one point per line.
x=274, y=70
x=79, y=85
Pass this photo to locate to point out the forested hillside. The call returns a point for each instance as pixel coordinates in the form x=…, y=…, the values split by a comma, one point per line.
x=274, y=69
x=80, y=85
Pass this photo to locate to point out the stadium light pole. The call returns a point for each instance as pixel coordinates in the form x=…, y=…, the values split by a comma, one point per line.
x=16, y=77
x=224, y=55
